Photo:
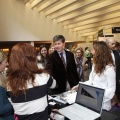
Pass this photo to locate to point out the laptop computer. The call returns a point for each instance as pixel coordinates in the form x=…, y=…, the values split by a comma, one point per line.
x=88, y=104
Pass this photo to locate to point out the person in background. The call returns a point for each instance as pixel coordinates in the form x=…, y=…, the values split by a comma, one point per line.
x=43, y=57
x=6, y=109
x=88, y=56
x=117, y=47
x=80, y=61
x=28, y=85
x=103, y=72
x=61, y=65
x=111, y=42
x=51, y=49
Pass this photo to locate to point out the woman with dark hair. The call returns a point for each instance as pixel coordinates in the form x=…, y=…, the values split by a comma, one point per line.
x=6, y=109
x=28, y=85
x=103, y=72
x=43, y=57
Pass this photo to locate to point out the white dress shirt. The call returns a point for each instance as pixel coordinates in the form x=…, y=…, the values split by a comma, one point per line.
x=64, y=55
x=113, y=57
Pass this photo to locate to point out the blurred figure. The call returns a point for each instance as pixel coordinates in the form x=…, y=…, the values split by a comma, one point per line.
x=28, y=85
x=80, y=61
x=61, y=65
x=103, y=72
x=43, y=56
x=6, y=109
x=88, y=56
x=67, y=49
x=51, y=49
x=43, y=51
x=117, y=47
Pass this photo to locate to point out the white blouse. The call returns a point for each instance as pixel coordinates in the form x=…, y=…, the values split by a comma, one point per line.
x=107, y=81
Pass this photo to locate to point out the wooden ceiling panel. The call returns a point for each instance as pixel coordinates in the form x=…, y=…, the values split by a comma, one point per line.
x=95, y=19
x=105, y=27
x=96, y=29
x=93, y=25
x=35, y=3
x=52, y=7
x=88, y=9
x=46, y=5
x=63, y=4
x=76, y=6
x=105, y=22
x=88, y=33
x=95, y=14
x=85, y=17
x=26, y=1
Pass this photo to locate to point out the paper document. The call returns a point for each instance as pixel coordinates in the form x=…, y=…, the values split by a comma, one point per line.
x=69, y=96
x=49, y=97
x=66, y=97
x=59, y=99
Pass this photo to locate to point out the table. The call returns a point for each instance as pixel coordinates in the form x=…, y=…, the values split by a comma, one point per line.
x=104, y=116
x=107, y=116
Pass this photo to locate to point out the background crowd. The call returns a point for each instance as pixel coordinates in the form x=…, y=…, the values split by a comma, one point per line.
x=31, y=76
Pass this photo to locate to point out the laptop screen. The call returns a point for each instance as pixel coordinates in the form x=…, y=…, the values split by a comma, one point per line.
x=90, y=97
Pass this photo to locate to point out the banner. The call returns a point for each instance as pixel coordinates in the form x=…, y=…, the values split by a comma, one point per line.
x=115, y=29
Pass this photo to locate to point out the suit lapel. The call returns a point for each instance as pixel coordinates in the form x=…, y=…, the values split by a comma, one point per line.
x=57, y=57
x=116, y=57
x=67, y=58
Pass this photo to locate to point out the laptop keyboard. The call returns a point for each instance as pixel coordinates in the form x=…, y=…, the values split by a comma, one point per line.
x=82, y=112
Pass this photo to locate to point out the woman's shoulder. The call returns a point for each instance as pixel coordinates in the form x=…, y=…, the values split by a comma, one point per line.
x=42, y=78
x=2, y=89
x=110, y=67
x=42, y=75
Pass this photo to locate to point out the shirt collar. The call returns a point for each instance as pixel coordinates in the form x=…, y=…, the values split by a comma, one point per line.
x=61, y=52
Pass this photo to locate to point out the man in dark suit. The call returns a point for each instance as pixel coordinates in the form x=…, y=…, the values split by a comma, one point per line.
x=62, y=67
x=116, y=58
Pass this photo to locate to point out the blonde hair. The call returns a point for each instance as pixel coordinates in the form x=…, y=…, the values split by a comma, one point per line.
x=50, y=48
x=79, y=48
x=3, y=56
x=2, y=80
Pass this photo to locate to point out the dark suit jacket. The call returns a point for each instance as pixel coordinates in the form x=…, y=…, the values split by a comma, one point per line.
x=56, y=68
x=117, y=64
x=6, y=109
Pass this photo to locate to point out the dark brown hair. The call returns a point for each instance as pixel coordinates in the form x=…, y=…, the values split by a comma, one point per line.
x=102, y=56
x=22, y=67
x=41, y=47
x=59, y=37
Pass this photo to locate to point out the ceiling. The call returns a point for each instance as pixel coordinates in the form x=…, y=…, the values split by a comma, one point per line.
x=85, y=17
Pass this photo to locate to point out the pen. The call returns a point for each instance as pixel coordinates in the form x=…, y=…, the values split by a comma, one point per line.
x=62, y=99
